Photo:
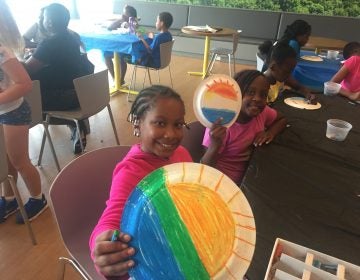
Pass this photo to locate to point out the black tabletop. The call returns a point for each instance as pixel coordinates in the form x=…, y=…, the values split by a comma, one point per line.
x=305, y=188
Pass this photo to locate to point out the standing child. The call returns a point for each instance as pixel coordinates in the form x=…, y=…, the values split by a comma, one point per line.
x=157, y=116
x=15, y=116
x=229, y=150
x=151, y=56
x=281, y=61
x=349, y=74
x=296, y=35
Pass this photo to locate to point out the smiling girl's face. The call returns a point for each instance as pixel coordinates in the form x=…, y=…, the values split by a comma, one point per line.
x=254, y=99
x=161, y=129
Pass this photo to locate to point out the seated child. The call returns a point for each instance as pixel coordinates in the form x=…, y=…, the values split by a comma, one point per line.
x=157, y=116
x=151, y=55
x=296, y=35
x=349, y=74
x=281, y=61
x=229, y=149
x=128, y=11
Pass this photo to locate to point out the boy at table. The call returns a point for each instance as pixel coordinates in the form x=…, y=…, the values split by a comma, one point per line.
x=349, y=74
x=151, y=55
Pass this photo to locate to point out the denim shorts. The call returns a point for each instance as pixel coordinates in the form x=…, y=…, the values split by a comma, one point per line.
x=19, y=116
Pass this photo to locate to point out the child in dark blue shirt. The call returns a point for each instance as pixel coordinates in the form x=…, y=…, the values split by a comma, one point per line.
x=151, y=56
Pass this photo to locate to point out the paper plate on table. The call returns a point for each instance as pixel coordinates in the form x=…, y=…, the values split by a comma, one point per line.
x=215, y=97
x=314, y=58
x=189, y=221
x=301, y=103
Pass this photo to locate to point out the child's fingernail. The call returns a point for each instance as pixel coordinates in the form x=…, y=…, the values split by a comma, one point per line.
x=131, y=263
x=131, y=251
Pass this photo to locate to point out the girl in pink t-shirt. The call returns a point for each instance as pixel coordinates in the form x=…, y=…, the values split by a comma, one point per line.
x=157, y=116
x=229, y=149
x=349, y=73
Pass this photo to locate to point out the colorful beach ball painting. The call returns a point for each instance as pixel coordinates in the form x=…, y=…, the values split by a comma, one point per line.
x=218, y=96
x=189, y=221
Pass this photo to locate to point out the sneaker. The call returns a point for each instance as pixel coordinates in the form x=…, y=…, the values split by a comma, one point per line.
x=77, y=147
x=34, y=207
x=7, y=208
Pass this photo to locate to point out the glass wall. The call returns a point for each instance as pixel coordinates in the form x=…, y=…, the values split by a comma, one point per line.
x=349, y=8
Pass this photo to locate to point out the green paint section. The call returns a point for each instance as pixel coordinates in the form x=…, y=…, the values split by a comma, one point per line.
x=175, y=230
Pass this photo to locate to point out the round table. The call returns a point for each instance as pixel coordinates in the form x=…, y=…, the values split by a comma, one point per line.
x=198, y=31
x=320, y=43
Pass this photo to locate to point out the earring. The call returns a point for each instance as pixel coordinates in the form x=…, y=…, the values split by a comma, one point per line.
x=136, y=132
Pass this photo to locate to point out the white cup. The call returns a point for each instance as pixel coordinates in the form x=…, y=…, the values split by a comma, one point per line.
x=337, y=129
x=332, y=54
x=331, y=88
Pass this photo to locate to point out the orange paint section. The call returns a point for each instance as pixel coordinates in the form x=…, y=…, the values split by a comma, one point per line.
x=212, y=228
x=224, y=90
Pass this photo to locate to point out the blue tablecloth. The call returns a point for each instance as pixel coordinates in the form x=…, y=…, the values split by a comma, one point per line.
x=314, y=74
x=122, y=43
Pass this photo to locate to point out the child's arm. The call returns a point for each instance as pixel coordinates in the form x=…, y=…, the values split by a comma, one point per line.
x=338, y=78
x=148, y=48
x=294, y=84
x=217, y=134
x=274, y=129
x=112, y=257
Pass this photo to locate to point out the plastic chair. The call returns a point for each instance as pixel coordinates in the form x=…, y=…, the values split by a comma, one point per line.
x=93, y=94
x=87, y=179
x=4, y=176
x=259, y=63
x=165, y=59
x=215, y=52
x=34, y=100
x=192, y=140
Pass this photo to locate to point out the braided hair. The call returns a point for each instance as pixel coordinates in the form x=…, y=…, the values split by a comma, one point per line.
x=146, y=100
x=245, y=78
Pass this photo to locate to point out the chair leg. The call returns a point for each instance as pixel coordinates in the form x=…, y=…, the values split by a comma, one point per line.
x=229, y=57
x=113, y=124
x=46, y=134
x=211, y=64
x=233, y=56
x=148, y=71
x=61, y=271
x=79, y=134
x=22, y=209
x=46, y=131
x=143, y=86
x=171, y=77
x=131, y=82
x=42, y=147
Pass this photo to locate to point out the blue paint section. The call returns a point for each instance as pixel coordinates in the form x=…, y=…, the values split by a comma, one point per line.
x=212, y=115
x=154, y=258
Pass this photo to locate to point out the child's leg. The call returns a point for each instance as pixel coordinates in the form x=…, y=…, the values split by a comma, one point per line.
x=123, y=68
x=108, y=57
x=16, y=141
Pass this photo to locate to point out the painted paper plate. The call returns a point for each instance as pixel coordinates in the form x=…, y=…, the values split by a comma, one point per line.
x=189, y=221
x=301, y=103
x=314, y=58
x=215, y=97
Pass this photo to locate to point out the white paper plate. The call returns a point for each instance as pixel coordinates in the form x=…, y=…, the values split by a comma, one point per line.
x=301, y=103
x=189, y=221
x=215, y=97
x=313, y=58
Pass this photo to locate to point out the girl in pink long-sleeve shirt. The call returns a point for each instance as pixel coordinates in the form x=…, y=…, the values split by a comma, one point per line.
x=157, y=115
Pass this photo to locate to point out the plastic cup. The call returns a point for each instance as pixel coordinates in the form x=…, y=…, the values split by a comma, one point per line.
x=331, y=88
x=332, y=54
x=337, y=129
